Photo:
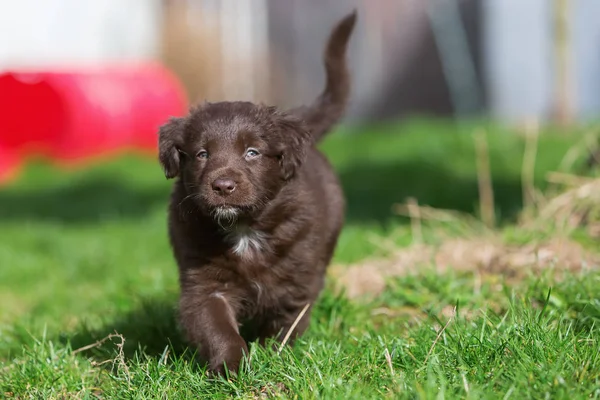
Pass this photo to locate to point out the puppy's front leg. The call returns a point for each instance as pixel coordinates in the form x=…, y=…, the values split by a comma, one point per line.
x=210, y=324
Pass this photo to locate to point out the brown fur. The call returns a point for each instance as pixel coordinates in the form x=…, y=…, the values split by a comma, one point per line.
x=255, y=213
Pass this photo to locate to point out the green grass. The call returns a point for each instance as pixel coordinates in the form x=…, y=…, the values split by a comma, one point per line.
x=84, y=254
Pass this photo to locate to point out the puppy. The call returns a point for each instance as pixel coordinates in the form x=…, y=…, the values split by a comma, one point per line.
x=255, y=214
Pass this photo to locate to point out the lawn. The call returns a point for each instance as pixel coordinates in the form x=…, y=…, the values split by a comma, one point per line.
x=88, y=285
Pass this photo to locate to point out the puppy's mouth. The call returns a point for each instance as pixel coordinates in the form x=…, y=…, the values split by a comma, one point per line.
x=225, y=215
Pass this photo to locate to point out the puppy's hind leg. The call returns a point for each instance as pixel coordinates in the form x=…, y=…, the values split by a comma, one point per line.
x=286, y=328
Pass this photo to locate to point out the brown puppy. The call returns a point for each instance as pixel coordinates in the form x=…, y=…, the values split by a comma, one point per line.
x=255, y=213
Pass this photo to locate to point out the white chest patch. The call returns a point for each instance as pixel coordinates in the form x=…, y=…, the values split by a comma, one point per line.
x=245, y=241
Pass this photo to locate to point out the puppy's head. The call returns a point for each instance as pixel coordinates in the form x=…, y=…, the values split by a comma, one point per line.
x=233, y=157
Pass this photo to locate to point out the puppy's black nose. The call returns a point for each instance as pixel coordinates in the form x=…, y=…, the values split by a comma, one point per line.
x=223, y=186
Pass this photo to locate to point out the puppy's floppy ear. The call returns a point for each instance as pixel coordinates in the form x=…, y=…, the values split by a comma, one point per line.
x=170, y=136
x=294, y=141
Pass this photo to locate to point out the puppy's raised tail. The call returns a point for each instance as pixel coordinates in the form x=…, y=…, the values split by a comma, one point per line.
x=330, y=106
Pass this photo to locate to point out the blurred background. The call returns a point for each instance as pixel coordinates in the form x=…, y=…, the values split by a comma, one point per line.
x=505, y=58
x=81, y=82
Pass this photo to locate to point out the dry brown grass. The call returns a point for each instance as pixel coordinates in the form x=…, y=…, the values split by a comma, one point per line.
x=577, y=206
x=487, y=253
x=486, y=256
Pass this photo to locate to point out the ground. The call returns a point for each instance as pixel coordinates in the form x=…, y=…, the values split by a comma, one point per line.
x=414, y=307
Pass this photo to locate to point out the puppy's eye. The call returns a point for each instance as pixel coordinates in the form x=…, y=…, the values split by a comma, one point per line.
x=202, y=154
x=252, y=153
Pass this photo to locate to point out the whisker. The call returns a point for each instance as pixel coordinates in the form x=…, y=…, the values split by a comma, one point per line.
x=186, y=197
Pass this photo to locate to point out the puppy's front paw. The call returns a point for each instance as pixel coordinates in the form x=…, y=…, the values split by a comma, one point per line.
x=230, y=358
x=224, y=368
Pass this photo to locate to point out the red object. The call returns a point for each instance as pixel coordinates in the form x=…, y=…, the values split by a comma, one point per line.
x=72, y=115
x=10, y=165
